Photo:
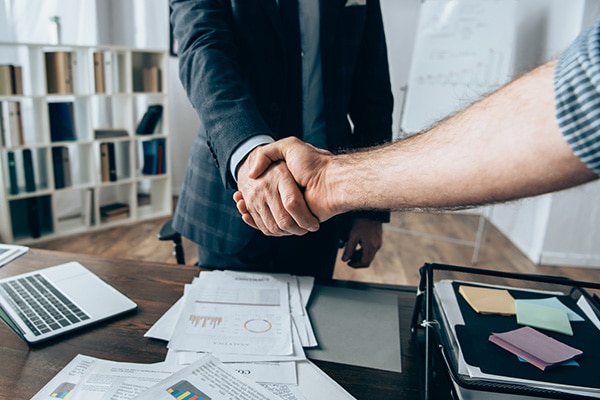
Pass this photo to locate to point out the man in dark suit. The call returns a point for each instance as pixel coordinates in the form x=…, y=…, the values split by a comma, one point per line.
x=260, y=70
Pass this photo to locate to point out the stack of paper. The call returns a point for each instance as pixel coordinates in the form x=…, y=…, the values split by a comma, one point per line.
x=232, y=335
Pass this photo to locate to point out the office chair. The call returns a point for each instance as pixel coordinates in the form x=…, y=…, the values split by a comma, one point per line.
x=168, y=233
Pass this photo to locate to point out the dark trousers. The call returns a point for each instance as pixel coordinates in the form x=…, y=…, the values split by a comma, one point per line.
x=313, y=254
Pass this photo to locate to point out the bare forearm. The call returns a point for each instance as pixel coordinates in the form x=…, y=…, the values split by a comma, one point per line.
x=503, y=147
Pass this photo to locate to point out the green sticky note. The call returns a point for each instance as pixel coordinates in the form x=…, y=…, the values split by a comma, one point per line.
x=543, y=317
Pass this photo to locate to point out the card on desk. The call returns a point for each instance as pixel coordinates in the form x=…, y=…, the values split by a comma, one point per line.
x=356, y=327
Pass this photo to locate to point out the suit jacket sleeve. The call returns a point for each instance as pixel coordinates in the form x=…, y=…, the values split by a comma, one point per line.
x=209, y=69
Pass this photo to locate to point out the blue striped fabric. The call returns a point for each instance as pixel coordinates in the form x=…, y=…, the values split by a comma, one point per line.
x=577, y=91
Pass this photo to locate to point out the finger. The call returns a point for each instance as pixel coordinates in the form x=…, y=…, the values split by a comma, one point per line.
x=267, y=155
x=237, y=196
x=296, y=217
x=349, y=249
x=247, y=218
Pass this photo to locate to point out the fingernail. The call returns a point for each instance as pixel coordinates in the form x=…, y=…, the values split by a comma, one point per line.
x=314, y=228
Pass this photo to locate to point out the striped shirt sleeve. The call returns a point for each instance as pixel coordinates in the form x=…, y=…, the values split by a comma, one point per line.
x=577, y=92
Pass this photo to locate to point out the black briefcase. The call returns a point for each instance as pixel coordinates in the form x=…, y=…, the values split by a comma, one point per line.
x=456, y=359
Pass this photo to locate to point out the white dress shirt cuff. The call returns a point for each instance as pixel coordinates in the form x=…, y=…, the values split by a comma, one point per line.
x=243, y=149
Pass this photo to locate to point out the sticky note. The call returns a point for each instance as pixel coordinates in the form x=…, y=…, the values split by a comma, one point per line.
x=554, y=302
x=535, y=347
x=486, y=300
x=543, y=317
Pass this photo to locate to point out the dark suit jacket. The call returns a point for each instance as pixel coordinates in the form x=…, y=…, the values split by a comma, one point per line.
x=233, y=69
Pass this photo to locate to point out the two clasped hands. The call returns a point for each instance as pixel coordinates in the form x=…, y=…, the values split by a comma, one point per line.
x=286, y=188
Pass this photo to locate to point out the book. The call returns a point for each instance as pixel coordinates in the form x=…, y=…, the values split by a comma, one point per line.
x=114, y=208
x=35, y=225
x=5, y=80
x=62, y=121
x=104, y=133
x=59, y=79
x=150, y=120
x=114, y=211
x=104, y=169
x=12, y=124
x=12, y=173
x=112, y=163
x=28, y=170
x=109, y=78
x=151, y=79
x=11, y=80
x=153, y=156
x=87, y=212
x=17, y=79
x=160, y=155
x=99, y=83
x=62, y=167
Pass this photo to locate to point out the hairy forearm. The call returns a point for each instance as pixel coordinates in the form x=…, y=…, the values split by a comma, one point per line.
x=503, y=147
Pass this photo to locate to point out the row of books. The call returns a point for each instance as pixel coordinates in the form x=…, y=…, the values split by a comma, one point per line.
x=11, y=80
x=28, y=172
x=61, y=166
x=62, y=123
x=154, y=156
x=11, y=124
x=59, y=75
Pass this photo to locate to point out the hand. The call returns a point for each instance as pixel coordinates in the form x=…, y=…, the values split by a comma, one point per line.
x=274, y=203
x=364, y=240
x=306, y=163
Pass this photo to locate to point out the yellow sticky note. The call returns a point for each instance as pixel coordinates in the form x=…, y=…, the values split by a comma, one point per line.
x=486, y=300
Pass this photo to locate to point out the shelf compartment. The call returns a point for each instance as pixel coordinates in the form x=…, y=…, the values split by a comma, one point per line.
x=31, y=217
x=153, y=198
x=74, y=210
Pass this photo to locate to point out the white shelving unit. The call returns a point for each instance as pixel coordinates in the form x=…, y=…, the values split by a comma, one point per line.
x=120, y=106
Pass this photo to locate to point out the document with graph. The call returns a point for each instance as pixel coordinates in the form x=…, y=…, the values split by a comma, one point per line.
x=232, y=316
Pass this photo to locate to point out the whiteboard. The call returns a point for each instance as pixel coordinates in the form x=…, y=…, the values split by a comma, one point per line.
x=463, y=50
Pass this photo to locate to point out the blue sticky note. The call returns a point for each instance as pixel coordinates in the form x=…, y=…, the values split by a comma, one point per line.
x=543, y=317
x=568, y=363
x=554, y=302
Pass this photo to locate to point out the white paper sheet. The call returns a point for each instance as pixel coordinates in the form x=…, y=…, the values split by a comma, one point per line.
x=208, y=378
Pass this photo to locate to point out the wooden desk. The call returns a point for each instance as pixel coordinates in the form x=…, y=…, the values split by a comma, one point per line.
x=155, y=287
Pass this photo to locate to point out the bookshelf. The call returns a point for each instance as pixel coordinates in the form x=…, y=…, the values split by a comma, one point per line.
x=81, y=128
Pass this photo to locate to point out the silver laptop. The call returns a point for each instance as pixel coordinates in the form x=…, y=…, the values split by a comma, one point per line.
x=51, y=301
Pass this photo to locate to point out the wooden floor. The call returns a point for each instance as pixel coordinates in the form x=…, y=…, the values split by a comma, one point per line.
x=410, y=240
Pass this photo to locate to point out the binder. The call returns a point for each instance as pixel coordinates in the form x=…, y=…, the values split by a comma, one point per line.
x=150, y=120
x=112, y=163
x=62, y=121
x=104, y=168
x=28, y=170
x=459, y=361
x=12, y=173
x=62, y=167
x=12, y=124
x=99, y=83
x=59, y=79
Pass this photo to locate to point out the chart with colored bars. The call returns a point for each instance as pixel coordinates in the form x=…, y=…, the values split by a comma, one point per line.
x=63, y=390
x=183, y=390
x=205, y=321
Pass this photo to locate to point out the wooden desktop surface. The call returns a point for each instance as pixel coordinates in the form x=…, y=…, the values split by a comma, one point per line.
x=155, y=287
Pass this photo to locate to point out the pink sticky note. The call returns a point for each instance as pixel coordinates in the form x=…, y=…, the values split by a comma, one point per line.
x=535, y=347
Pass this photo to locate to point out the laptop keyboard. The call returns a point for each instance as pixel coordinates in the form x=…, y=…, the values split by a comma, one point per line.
x=40, y=305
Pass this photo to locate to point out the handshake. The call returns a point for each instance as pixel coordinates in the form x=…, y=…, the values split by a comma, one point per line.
x=287, y=188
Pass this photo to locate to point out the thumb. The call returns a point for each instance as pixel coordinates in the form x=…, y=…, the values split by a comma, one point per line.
x=265, y=156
